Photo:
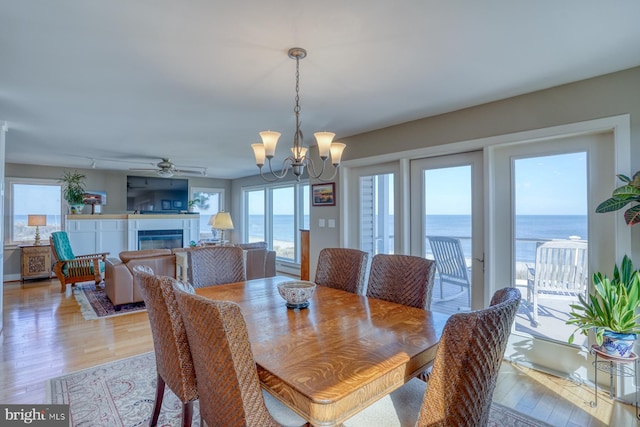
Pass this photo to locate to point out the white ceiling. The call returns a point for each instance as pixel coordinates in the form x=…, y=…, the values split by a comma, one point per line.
x=126, y=82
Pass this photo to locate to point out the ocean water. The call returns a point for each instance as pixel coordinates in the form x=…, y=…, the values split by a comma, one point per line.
x=530, y=229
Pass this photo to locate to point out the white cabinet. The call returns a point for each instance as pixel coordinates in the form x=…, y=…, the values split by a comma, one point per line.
x=90, y=236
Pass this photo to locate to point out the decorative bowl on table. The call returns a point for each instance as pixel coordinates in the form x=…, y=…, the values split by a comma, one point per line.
x=297, y=293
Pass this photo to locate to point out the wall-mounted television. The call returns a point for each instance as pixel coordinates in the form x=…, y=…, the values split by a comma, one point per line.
x=147, y=194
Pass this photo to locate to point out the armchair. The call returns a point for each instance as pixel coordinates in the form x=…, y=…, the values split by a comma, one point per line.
x=70, y=268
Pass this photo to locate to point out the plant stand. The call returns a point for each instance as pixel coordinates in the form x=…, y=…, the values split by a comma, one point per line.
x=621, y=367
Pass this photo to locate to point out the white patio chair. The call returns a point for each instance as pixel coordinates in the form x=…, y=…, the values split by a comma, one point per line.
x=561, y=271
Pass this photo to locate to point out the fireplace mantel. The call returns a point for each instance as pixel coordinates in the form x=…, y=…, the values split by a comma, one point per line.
x=117, y=233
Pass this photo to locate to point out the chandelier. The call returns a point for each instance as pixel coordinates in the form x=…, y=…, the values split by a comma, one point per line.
x=299, y=154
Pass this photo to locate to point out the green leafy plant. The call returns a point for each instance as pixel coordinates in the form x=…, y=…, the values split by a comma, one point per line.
x=622, y=196
x=612, y=307
x=73, y=187
x=193, y=203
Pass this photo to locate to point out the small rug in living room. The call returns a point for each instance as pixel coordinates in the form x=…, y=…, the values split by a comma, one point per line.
x=122, y=393
x=94, y=303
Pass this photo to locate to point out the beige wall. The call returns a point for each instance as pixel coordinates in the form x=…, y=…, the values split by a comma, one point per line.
x=604, y=96
x=113, y=182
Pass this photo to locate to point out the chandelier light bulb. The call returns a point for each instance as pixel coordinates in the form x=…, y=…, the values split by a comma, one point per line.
x=301, y=152
x=336, y=152
x=269, y=139
x=324, y=142
x=258, y=151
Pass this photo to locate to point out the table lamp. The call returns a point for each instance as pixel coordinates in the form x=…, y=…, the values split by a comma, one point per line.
x=221, y=221
x=37, y=221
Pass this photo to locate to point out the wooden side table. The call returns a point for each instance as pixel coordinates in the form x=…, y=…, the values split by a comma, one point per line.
x=35, y=262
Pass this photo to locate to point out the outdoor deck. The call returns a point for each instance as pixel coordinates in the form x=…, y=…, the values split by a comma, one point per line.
x=552, y=313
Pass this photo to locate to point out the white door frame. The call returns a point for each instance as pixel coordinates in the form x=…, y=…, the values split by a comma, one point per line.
x=575, y=361
x=480, y=296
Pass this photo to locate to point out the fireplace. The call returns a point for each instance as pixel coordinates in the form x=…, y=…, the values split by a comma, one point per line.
x=159, y=239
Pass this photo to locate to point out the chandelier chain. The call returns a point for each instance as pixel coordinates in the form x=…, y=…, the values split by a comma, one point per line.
x=297, y=107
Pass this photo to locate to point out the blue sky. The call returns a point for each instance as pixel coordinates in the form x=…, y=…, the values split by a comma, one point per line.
x=549, y=185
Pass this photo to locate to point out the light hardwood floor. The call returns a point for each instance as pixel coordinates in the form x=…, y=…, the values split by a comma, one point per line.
x=46, y=336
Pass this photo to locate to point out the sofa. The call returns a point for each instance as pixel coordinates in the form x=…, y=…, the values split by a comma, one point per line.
x=260, y=261
x=119, y=282
x=120, y=286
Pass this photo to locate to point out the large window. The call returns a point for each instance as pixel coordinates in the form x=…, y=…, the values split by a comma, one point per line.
x=207, y=202
x=29, y=197
x=275, y=214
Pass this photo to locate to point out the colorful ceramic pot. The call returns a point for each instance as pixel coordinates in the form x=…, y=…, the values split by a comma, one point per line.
x=618, y=345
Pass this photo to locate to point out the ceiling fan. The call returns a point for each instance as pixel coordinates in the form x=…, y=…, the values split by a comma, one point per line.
x=166, y=169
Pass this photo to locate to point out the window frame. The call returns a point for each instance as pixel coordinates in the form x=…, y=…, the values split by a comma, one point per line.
x=299, y=211
x=10, y=193
x=211, y=190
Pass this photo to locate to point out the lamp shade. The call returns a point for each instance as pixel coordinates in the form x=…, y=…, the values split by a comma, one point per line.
x=36, y=220
x=222, y=221
x=324, y=142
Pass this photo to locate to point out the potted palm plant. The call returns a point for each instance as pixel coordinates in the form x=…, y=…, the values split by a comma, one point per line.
x=192, y=204
x=611, y=310
x=73, y=190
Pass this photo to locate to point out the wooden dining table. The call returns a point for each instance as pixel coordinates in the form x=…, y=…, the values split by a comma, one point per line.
x=336, y=357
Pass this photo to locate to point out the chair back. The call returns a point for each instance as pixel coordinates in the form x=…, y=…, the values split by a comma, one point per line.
x=141, y=268
x=562, y=268
x=402, y=279
x=216, y=265
x=342, y=268
x=450, y=260
x=61, y=247
x=173, y=354
x=228, y=384
x=467, y=362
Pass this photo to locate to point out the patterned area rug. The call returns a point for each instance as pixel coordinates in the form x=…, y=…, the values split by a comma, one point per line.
x=94, y=303
x=121, y=394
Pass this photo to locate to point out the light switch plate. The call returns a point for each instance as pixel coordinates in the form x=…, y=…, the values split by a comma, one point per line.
x=321, y=222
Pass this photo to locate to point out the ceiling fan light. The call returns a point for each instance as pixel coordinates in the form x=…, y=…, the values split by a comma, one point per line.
x=269, y=139
x=165, y=173
x=324, y=142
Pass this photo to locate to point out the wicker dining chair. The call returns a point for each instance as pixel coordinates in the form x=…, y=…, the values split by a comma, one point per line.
x=174, y=364
x=403, y=279
x=465, y=371
x=215, y=265
x=228, y=384
x=342, y=268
